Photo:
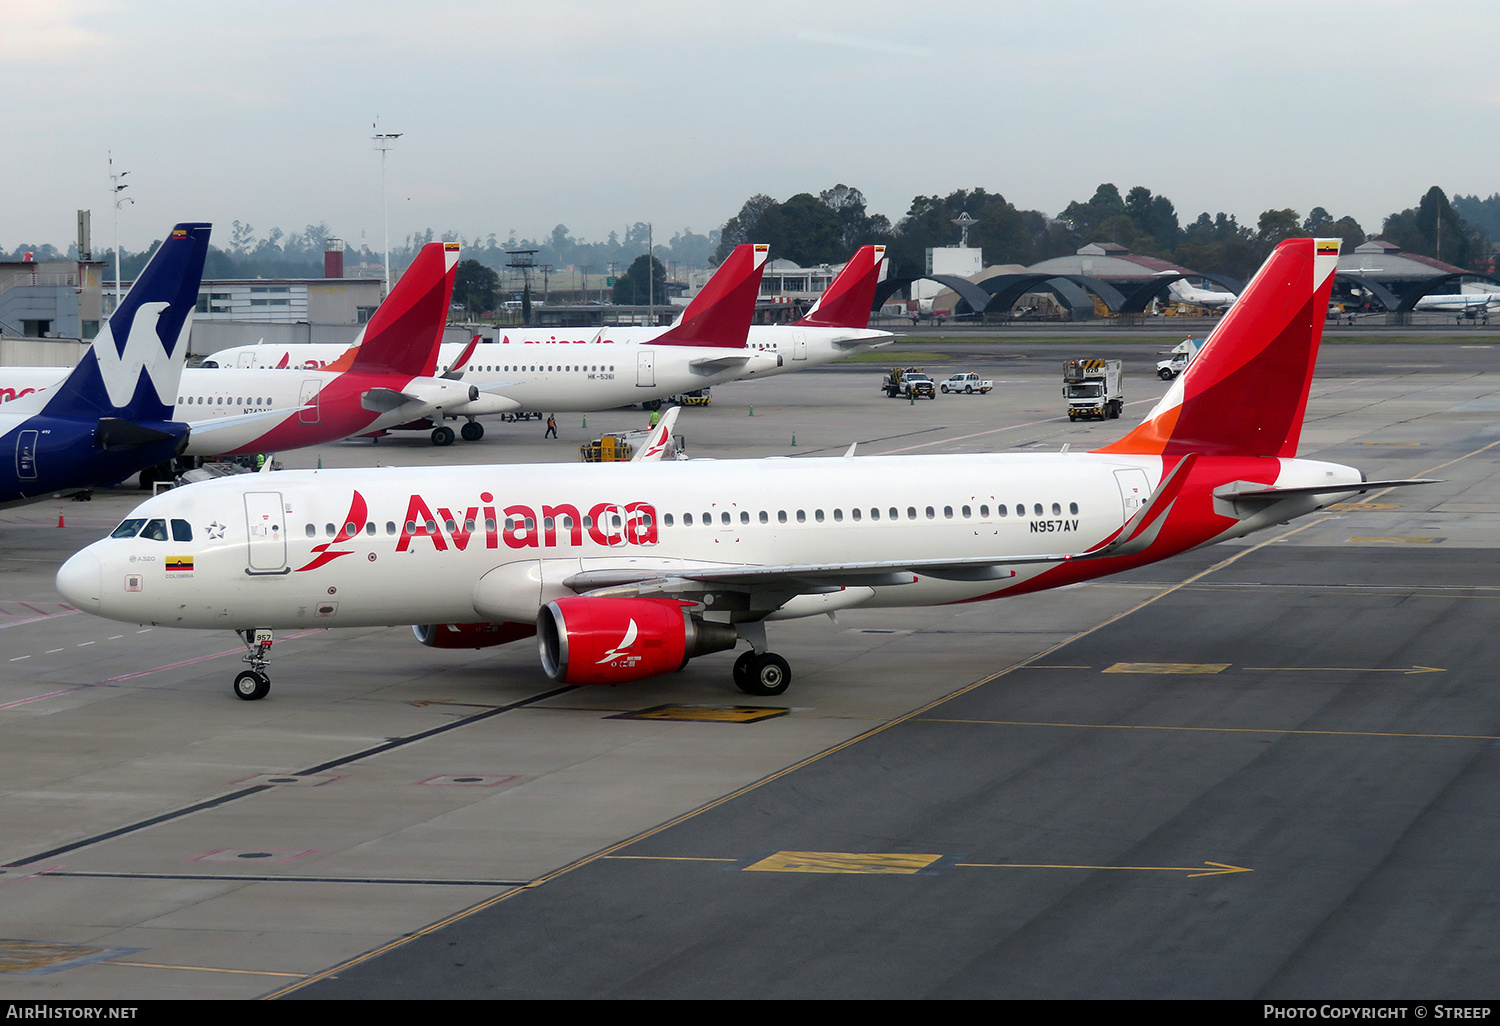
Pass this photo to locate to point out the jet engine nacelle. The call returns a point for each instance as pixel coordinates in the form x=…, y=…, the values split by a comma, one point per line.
x=612, y=640
x=470, y=635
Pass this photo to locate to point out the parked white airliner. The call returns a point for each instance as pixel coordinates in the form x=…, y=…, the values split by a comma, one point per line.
x=389, y=380
x=630, y=570
x=1182, y=292
x=644, y=364
x=580, y=369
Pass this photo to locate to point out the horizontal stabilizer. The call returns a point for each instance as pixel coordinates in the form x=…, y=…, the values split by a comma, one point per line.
x=715, y=364
x=1271, y=494
x=384, y=400
x=114, y=433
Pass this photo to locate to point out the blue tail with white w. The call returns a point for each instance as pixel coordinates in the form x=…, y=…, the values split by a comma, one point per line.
x=134, y=366
x=112, y=416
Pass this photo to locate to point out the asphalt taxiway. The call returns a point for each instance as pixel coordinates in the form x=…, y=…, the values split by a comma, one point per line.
x=1258, y=770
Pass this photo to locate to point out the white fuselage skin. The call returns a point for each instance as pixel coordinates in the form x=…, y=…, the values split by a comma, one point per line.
x=209, y=395
x=584, y=369
x=304, y=567
x=1182, y=292
x=1467, y=302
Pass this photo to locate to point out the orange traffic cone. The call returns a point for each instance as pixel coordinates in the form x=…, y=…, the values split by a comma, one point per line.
x=59, y=518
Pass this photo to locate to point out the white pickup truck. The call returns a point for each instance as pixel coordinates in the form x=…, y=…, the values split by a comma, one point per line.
x=967, y=383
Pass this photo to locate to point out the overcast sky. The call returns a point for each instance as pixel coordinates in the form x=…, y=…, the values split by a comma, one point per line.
x=598, y=113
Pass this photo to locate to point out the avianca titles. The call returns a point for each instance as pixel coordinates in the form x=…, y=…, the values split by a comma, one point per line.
x=626, y=571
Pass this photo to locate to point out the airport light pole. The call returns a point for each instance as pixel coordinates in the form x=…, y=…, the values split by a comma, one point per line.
x=383, y=142
x=117, y=187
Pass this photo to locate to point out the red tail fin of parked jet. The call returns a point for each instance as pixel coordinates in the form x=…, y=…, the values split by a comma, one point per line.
x=847, y=302
x=720, y=314
x=1246, y=392
x=416, y=309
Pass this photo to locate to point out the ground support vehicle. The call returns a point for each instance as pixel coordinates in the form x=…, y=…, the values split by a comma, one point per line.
x=968, y=384
x=908, y=383
x=1092, y=388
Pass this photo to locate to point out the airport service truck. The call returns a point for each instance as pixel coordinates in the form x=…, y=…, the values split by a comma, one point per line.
x=1178, y=357
x=967, y=383
x=1092, y=388
x=908, y=383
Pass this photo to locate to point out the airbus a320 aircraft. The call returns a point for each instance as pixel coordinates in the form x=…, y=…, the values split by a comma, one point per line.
x=838, y=325
x=389, y=380
x=112, y=416
x=597, y=369
x=628, y=571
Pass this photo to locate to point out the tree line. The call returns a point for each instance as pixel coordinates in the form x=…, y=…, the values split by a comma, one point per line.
x=827, y=227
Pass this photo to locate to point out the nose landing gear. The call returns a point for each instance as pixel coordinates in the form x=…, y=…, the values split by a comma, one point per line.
x=253, y=684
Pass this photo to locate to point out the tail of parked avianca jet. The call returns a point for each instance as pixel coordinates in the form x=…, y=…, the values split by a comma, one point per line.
x=720, y=313
x=850, y=296
x=406, y=331
x=1246, y=392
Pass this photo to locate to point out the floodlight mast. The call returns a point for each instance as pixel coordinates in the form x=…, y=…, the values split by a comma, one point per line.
x=383, y=142
x=116, y=187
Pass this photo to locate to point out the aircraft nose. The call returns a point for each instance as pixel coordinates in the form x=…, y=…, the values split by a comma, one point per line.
x=79, y=581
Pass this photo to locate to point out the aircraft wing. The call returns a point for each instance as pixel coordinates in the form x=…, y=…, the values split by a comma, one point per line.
x=455, y=372
x=658, y=441
x=207, y=428
x=798, y=577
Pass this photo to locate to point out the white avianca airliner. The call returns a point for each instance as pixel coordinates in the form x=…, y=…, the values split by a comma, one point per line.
x=630, y=570
x=580, y=369
x=574, y=369
x=389, y=380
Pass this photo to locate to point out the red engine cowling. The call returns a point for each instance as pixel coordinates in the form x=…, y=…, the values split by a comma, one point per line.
x=613, y=640
x=471, y=635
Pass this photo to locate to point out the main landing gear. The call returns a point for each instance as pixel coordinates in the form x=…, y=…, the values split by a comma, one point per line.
x=762, y=673
x=254, y=684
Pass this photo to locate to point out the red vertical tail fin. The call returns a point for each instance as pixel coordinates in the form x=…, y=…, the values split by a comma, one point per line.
x=720, y=314
x=1246, y=391
x=849, y=297
x=404, y=335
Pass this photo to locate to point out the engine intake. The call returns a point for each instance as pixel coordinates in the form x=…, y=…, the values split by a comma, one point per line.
x=612, y=640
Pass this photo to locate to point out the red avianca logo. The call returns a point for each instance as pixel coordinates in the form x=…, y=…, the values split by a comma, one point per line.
x=517, y=527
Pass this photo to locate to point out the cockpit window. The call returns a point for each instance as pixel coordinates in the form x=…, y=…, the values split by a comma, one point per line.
x=156, y=530
x=129, y=529
x=182, y=530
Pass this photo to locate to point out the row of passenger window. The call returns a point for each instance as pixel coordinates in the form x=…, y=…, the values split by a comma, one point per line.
x=222, y=400
x=548, y=367
x=874, y=513
x=725, y=518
